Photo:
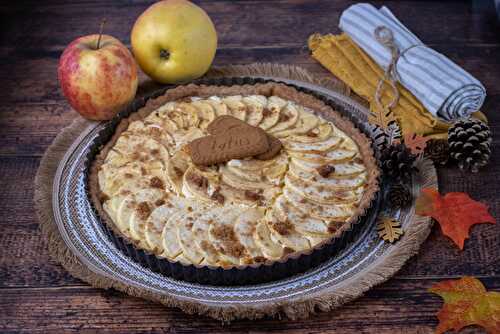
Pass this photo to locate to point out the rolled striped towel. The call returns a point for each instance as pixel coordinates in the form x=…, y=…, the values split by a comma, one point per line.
x=443, y=87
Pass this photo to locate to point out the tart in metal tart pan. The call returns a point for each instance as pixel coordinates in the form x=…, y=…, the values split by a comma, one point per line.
x=244, y=221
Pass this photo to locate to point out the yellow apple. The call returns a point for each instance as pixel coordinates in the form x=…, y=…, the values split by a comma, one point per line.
x=98, y=76
x=174, y=41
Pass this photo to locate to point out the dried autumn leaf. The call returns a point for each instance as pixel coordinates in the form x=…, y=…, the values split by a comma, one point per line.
x=415, y=143
x=455, y=212
x=466, y=302
x=389, y=229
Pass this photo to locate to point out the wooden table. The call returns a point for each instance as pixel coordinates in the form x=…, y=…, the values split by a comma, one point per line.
x=37, y=295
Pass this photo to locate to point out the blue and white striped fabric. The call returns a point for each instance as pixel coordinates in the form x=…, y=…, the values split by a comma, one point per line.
x=443, y=87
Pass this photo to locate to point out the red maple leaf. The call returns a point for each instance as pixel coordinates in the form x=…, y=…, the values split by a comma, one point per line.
x=415, y=143
x=455, y=212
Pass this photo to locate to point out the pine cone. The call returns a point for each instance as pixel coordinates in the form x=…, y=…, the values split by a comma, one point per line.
x=399, y=196
x=397, y=162
x=470, y=141
x=438, y=151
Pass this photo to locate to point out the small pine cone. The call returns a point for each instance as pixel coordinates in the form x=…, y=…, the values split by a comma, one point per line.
x=469, y=142
x=438, y=151
x=397, y=162
x=399, y=196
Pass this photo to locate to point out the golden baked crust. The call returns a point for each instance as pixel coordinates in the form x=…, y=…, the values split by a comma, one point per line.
x=268, y=89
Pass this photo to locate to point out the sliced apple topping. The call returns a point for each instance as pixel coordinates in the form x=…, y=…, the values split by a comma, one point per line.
x=244, y=211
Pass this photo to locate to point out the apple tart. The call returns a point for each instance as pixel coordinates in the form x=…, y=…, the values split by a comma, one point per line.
x=240, y=212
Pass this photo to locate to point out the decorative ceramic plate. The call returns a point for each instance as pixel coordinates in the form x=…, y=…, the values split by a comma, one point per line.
x=85, y=236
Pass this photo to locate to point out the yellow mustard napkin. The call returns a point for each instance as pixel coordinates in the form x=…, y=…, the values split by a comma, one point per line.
x=341, y=56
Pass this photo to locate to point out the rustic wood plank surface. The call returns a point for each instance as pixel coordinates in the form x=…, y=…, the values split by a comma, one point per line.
x=37, y=295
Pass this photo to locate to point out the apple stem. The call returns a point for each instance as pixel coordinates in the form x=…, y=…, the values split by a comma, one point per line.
x=100, y=34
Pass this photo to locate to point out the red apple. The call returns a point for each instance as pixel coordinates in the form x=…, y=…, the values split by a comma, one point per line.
x=98, y=76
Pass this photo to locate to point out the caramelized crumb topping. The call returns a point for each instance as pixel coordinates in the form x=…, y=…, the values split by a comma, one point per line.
x=139, y=155
x=283, y=227
x=325, y=170
x=223, y=232
x=253, y=196
x=230, y=244
x=283, y=117
x=103, y=197
x=358, y=160
x=156, y=182
x=178, y=171
x=266, y=112
x=160, y=202
x=208, y=248
x=235, y=249
x=218, y=197
x=333, y=226
x=125, y=192
x=155, y=133
x=143, y=210
x=259, y=259
x=199, y=180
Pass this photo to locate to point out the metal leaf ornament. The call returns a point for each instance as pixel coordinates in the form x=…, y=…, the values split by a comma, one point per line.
x=393, y=132
x=385, y=138
x=382, y=117
x=389, y=229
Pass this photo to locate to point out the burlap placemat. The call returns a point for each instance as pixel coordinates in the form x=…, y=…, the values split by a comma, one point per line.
x=293, y=309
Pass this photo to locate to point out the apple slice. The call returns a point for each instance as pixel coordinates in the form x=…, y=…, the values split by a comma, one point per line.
x=337, y=212
x=272, y=112
x=206, y=112
x=284, y=231
x=236, y=106
x=289, y=116
x=262, y=236
x=219, y=107
x=255, y=106
x=305, y=123
x=222, y=236
x=186, y=239
x=244, y=227
x=304, y=224
x=170, y=242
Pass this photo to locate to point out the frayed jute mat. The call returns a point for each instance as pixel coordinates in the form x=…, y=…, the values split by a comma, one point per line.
x=327, y=300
